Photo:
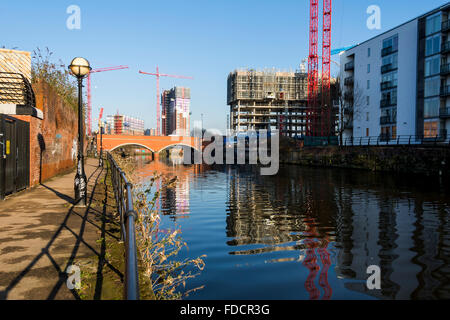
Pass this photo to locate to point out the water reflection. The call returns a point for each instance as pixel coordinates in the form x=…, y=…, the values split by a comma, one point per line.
x=338, y=222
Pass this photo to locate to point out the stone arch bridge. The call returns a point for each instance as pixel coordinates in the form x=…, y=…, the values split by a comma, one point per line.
x=155, y=144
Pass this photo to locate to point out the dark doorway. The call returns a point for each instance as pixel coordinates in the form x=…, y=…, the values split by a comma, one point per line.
x=14, y=155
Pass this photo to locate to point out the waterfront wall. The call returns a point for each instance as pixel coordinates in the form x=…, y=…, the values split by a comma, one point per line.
x=406, y=159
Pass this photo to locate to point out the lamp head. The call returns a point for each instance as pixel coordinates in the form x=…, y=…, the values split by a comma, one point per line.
x=79, y=67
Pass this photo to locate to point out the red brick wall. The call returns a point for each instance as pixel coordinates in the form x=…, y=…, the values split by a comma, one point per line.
x=57, y=132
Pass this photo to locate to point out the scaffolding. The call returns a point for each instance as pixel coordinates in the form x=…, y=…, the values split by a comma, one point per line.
x=268, y=99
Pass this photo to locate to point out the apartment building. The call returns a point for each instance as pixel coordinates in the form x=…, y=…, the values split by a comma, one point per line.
x=175, y=114
x=397, y=83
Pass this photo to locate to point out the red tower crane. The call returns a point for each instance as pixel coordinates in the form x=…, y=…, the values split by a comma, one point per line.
x=326, y=73
x=318, y=119
x=158, y=75
x=89, y=106
x=313, y=69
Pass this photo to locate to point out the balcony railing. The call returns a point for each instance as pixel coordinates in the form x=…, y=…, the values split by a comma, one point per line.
x=349, y=66
x=445, y=25
x=388, y=103
x=444, y=112
x=348, y=81
x=445, y=69
x=387, y=120
x=348, y=96
x=388, y=85
x=445, y=91
x=445, y=47
x=387, y=68
x=348, y=109
x=387, y=51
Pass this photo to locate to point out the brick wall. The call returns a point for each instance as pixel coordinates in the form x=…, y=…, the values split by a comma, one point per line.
x=53, y=140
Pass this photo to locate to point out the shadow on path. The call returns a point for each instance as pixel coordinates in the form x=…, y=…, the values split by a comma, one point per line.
x=86, y=213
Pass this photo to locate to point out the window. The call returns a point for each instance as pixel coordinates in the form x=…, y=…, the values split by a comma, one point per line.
x=390, y=77
x=368, y=68
x=367, y=116
x=430, y=129
x=433, y=45
x=432, y=66
x=433, y=24
x=431, y=108
x=392, y=60
x=368, y=84
x=391, y=42
x=394, y=132
x=432, y=86
x=368, y=52
x=368, y=100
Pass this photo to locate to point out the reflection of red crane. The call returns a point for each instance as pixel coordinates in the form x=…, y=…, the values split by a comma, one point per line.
x=316, y=248
x=158, y=75
x=318, y=119
x=89, y=113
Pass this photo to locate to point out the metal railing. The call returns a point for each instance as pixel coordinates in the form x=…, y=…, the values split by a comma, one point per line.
x=387, y=68
x=386, y=51
x=445, y=25
x=440, y=139
x=125, y=207
x=388, y=102
x=387, y=120
x=445, y=47
x=349, y=66
x=445, y=69
x=348, y=81
x=445, y=91
x=16, y=89
x=388, y=85
x=444, y=112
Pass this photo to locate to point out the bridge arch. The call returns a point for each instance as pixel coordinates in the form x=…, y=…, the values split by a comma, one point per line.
x=176, y=144
x=133, y=144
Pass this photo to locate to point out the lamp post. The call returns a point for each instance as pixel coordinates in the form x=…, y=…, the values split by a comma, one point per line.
x=100, y=161
x=79, y=67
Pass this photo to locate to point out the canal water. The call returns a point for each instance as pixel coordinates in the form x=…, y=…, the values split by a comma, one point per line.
x=309, y=233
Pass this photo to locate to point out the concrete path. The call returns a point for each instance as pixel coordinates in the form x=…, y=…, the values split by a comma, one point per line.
x=42, y=233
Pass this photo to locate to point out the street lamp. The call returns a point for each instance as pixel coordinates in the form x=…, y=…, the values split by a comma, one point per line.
x=100, y=161
x=79, y=67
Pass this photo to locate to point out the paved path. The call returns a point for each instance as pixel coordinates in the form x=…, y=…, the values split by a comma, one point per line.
x=42, y=233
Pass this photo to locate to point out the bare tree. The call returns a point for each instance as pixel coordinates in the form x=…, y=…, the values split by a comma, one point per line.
x=352, y=104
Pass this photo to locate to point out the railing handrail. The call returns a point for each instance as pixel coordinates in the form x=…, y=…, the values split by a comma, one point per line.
x=124, y=199
x=441, y=139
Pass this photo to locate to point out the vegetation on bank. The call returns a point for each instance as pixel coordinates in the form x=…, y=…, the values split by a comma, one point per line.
x=55, y=74
x=102, y=275
x=158, y=249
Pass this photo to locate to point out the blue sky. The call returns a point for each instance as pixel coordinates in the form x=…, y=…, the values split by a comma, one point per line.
x=198, y=38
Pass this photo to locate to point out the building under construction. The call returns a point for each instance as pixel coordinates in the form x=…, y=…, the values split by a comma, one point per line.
x=268, y=100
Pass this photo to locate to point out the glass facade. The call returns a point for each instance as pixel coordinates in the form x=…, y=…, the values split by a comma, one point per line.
x=389, y=75
x=432, y=77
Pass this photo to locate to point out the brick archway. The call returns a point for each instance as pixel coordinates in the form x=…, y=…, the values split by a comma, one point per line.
x=153, y=143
